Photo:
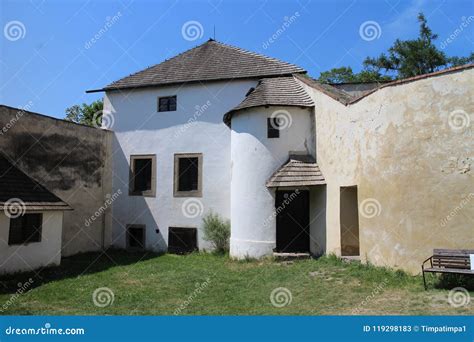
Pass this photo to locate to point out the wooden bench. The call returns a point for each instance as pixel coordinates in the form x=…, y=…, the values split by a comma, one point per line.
x=455, y=261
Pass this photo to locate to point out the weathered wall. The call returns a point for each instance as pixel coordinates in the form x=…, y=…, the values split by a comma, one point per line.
x=410, y=150
x=71, y=161
x=30, y=256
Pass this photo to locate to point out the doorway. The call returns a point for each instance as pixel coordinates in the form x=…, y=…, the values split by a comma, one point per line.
x=349, y=217
x=292, y=221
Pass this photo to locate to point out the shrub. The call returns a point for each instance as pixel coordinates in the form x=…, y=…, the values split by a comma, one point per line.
x=217, y=231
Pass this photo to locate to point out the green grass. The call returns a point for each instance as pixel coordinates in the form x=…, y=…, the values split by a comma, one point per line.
x=206, y=284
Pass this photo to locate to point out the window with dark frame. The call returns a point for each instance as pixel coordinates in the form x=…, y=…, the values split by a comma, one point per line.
x=142, y=175
x=136, y=236
x=187, y=179
x=182, y=240
x=167, y=104
x=273, y=128
x=25, y=229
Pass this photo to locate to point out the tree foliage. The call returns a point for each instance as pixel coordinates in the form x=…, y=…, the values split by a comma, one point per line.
x=405, y=58
x=87, y=114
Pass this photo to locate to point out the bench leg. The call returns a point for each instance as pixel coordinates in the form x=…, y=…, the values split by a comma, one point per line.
x=424, y=280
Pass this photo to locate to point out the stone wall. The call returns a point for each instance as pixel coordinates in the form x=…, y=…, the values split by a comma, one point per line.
x=409, y=148
x=72, y=161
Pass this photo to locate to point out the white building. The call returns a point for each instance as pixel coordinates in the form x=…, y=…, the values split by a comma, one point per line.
x=291, y=162
x=31, y=220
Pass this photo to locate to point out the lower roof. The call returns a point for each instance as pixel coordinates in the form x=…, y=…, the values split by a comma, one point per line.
x=19, y=192
x=300, y=170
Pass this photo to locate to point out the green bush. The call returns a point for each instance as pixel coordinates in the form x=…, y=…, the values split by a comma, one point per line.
x=217, y=231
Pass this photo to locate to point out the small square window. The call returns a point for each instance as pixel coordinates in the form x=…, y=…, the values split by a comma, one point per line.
x=182, y=240
x=273, y=128
x=188, y=175
x=142, y=175
x=136, y=236
x=167, y=104
x=25, y=229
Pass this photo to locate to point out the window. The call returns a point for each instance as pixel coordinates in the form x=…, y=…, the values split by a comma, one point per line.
x=25, y=229
x=182, y=240
x=273, y=128
x=136, y=236
x=142, y=175
x=167, y=104
x=188, y=175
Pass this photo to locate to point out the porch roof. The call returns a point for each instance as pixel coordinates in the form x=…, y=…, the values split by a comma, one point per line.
x=298, y=171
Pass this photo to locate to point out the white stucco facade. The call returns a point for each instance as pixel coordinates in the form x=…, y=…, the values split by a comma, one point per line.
x=254, y=159
x=27, y=257
x=195, y=127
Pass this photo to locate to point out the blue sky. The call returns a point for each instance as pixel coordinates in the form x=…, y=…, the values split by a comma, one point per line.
x=47, y=59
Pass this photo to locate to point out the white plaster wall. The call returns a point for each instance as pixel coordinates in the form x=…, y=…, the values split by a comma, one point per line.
x=254, y=159
x=140, y=129
x=27, y=257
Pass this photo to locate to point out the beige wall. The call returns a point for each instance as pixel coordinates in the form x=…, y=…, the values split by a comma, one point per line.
x=70, y=160
x=413, y=169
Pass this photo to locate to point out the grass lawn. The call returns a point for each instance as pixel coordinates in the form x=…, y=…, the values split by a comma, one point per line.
x=205, y=284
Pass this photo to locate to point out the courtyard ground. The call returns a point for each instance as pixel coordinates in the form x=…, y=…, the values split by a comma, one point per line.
x=120, y=283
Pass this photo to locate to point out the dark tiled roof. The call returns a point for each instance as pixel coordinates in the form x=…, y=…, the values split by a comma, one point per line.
x=210, y=61
x=327, y=89
x=298, y=171
x=14, y=184
x=348, y=99
x=276, y=91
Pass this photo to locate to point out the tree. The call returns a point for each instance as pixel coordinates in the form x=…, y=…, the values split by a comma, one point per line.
x=345, y=75
x=87, y=114
x=407, y=58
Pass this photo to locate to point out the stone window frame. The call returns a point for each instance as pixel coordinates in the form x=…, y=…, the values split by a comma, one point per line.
x=152, y=191
x=192, y=193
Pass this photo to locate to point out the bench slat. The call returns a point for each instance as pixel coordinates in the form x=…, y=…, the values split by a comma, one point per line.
x=448, y=270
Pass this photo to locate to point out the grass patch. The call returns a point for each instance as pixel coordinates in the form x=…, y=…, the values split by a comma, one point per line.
x=209, y=284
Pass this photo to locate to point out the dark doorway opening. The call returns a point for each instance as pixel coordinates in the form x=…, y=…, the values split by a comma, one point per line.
x=182, y=240
x=292, y=221
x=136, y=237
x=349, y=217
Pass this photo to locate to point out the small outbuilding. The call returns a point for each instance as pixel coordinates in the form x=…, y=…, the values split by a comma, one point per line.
x=31, y=220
